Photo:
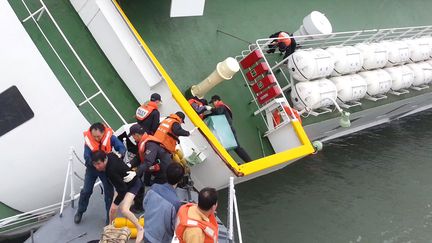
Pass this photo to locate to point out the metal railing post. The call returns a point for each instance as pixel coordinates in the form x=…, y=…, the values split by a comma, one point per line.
x=71, y=176
x=237, y=219
x=65, y=184
x=230, y=209
x=233, y=208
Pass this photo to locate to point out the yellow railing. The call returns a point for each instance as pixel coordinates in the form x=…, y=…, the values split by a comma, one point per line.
x=244, y=169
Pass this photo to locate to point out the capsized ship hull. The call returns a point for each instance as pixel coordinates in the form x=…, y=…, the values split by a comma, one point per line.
x=143, y=74
x=330, y=129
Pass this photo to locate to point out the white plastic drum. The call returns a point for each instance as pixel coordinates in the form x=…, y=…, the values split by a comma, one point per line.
x=315, y=94
x=402, y=77
x=420, y=49
x=306, y=65
x=350, y=87
x=374, y=55
x=419, y=74
x=378, y=81
x=398, y=52
x=347, y=59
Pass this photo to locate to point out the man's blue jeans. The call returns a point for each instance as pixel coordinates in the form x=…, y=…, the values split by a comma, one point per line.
x=91, y=175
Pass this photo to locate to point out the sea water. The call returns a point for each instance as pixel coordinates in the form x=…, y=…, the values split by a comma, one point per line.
x=371, y=186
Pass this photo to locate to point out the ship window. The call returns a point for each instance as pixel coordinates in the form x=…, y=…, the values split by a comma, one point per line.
x=14, y=110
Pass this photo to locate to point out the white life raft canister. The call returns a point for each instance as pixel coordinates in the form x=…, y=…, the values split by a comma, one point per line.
x=378, y=81
x=347, y=59
x=350, y=87
x=402, y=77
x=304, y=65
x=398, y=52
x=427, y=70
x=315, y=94
x=374, y=55
x=419, y=74
x=420, y=49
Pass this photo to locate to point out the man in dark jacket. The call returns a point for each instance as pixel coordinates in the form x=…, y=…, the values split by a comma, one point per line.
x=221, y=108
x=115, y=169
x=285, y=42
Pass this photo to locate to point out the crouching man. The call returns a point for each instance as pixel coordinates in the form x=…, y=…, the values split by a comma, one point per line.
x=115, y=169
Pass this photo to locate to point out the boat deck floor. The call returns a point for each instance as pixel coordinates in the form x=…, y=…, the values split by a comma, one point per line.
x=63, y=229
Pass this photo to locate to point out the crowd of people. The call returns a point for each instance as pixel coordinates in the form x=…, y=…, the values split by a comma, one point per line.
x=153, y=167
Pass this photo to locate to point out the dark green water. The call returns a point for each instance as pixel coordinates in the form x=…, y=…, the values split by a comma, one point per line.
x=373, y=186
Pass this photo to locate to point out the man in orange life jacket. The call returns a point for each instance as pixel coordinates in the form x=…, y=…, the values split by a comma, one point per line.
x=170, y=129
x=151, y=160
x=199, y=105
x=197, y=223
x=151, y=156
x=222, y=109
x=98, y=137
x=285, y=42
x=148, y=115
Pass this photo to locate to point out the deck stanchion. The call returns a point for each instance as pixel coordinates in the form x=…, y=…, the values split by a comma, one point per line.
x=233, y=208
x=71, y=176
x=230, y=209
x=65, y=184
x=237, y=219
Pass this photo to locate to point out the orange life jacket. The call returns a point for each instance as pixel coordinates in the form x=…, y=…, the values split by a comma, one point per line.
x=142, y=145
x=199, y=103
x=286, y=40
x=165, y=135
x=220, y=103
x=145, y=110
x=210, y=229
x=277, y=116
x=104, y=144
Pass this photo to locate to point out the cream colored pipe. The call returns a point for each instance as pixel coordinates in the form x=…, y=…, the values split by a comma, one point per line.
x=224, y=71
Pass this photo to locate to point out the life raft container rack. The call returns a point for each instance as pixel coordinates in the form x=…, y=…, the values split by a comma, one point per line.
x=420, y=87
x=264, y=86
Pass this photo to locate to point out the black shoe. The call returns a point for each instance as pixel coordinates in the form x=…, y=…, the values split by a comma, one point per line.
x=77, y=218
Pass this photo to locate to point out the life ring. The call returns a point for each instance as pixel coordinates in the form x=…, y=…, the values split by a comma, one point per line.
x=277, y=119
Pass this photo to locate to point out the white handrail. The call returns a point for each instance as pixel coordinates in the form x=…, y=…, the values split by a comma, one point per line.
x=233, y=209
x=35, y=217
